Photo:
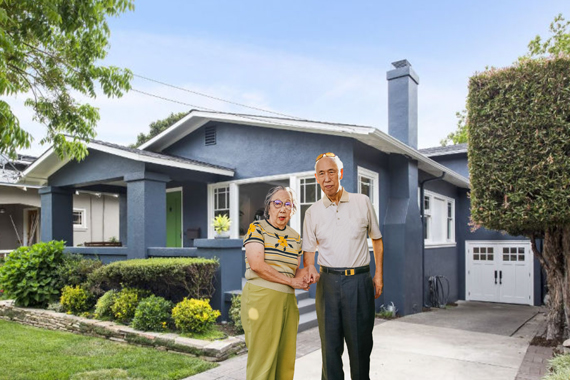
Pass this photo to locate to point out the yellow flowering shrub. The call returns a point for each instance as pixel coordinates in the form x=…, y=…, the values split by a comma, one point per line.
x=126, y=302
x=75, y=299
x=194, y=315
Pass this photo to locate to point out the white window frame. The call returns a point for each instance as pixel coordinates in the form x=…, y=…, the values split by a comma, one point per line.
x=83, y=225
x=294, y=183
x=427, y=216
x=373, y=177
x=431, y=220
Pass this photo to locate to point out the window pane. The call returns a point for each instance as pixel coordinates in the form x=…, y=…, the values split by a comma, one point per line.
x=475, y=257
x=505, y=257
x=490, y=257
x=521, y=257
x=521, y=250
x=426, y=203
x=513, y=257
x=476, y=250
x=449, y=210
x=310, y=196
x=77, y=217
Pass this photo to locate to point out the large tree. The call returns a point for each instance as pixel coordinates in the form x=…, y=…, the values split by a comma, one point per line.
x=519, y=165
x=460, y=135
x=50, y=50
x=158, y=126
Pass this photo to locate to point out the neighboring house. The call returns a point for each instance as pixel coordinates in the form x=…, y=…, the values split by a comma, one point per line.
x=95, y=215
x=212, y=163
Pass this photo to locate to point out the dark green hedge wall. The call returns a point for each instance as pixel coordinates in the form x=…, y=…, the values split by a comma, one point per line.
x=519, y=146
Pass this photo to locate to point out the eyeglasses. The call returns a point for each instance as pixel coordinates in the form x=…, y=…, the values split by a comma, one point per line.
x=329, y=154
x=278, y=204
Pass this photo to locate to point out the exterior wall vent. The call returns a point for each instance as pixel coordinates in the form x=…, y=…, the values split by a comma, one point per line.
x=210, y=135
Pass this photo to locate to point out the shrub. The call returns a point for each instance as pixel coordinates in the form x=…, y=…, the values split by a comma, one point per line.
x=75, y=269
x=75, y=299
x=103, y=306
x=126, y=302
x=153, y=314
x=171, y=278
x=29, y=274
x=194, y=315
x=235, y=312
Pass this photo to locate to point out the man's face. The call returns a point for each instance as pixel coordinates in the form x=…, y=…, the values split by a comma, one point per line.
x=328, y=176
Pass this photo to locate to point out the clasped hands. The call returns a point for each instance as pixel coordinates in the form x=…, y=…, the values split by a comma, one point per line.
x=305, y=277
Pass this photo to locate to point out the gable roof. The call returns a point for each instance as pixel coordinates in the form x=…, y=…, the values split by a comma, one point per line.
x=444, y=150
x=48, y=163
x=367, y=135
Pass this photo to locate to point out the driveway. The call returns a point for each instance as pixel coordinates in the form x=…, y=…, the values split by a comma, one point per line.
x=472, y=341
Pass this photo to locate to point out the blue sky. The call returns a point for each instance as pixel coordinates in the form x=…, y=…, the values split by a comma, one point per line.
x=319, y=60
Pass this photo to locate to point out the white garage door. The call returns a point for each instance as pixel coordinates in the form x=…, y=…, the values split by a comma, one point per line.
x=499, y=271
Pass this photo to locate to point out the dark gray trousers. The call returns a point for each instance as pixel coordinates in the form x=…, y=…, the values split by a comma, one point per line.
x=345, y=311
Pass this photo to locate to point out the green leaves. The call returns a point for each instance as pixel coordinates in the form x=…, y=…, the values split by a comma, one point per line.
x=29, y=274
x=558, y=43
x=49, y=48
x=519, y=146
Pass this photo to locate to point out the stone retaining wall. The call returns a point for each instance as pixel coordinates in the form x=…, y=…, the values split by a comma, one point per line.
x=212, y=351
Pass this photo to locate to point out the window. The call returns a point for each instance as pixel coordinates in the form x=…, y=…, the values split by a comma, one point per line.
x=368, y=185
x=222, y=201
x=309, y=193
x=79, y=218
x=439, y=212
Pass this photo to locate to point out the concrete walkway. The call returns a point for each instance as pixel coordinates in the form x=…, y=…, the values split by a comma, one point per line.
x=474, y=340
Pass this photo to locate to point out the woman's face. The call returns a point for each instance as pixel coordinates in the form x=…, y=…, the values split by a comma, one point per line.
x=279, y=217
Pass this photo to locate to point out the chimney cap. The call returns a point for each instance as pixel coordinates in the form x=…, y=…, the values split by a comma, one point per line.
x=401, y=63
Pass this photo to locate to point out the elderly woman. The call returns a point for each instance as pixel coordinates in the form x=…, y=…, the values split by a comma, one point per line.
x=269, y=312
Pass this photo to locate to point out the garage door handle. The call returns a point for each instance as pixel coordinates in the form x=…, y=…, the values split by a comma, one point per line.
x=500, y=277
x=495, y=277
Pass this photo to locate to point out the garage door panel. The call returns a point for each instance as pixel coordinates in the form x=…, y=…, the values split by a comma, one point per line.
x=509, y=261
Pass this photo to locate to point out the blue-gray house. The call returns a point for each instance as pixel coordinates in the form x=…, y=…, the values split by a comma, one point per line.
x=212, y=163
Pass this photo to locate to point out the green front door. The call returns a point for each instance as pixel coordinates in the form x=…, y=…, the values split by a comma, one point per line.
x=173, y=219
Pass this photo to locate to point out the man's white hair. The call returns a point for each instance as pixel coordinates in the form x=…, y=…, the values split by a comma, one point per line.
x=336, y=159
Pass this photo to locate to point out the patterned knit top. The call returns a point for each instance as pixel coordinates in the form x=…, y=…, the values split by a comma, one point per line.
x=282, y=251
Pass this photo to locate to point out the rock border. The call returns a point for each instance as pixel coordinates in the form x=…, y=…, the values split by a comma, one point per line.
x=214, y=351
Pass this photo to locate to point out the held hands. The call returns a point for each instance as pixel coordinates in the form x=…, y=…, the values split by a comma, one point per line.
x=313, y=274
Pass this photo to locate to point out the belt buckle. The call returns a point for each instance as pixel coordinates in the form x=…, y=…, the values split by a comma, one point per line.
x=349, y=272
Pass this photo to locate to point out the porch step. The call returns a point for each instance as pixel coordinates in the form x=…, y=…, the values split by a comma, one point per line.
x=306, y=304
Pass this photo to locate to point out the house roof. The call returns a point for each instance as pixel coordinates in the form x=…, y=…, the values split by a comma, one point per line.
x=444, y=150
x=367, y=135
x=48, y=163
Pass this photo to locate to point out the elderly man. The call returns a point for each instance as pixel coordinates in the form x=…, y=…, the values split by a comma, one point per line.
x=338, y=225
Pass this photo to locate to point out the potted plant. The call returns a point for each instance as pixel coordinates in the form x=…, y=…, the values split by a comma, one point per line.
x=221, y=224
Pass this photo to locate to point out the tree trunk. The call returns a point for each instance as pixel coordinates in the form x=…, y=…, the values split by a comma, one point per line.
x=555, y=259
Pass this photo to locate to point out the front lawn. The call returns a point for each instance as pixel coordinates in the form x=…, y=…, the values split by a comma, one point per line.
x=33, y=353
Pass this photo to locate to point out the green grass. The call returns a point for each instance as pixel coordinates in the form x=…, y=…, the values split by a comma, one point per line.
x=559, y=368
x=33, y=353
x=211, y=334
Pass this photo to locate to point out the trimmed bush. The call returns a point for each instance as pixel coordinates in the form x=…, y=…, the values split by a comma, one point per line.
x=103, y=306
x=75, y=299
x=126, y=302
x=153, y=314
x=194, y=315
x=235, y=312
x=29, y=274
x=170, y=278
x=75, y=269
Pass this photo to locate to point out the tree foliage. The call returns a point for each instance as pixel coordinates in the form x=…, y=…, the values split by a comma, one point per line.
x=50, y=50
x=158, y=126
x=460, y=135
x=556, y=44
x=519, y=164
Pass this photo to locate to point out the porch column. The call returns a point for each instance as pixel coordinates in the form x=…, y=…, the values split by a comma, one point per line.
x=146, y=212
x=57, y=214
x=123, y=218
x=403, y=238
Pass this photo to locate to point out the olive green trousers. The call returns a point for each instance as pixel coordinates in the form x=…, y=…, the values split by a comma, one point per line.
x=270, y=320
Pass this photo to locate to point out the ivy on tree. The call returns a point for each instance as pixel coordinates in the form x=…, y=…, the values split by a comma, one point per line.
x=49, y=50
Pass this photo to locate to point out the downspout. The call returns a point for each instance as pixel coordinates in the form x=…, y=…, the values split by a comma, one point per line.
x=422, y=206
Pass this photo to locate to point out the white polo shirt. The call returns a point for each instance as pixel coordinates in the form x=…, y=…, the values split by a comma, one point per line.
x=340, y=232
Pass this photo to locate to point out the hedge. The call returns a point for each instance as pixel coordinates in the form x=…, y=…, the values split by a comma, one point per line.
x=170, y=278
x=519, y=146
